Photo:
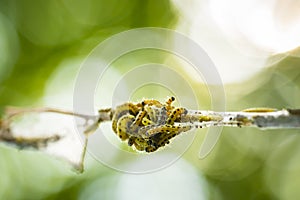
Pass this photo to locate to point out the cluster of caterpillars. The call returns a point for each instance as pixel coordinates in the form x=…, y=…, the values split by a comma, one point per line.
x=150, y=124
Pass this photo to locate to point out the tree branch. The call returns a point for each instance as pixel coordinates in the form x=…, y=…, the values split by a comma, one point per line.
x=261, y=118
x=149, y=125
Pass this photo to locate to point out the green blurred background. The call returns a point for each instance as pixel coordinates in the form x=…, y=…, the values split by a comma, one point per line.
x=42, y=45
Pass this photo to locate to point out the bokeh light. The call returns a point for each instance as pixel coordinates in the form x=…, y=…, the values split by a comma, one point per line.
x=254, y=45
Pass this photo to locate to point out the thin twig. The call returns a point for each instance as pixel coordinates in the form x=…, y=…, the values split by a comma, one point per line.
x=14, y=111
x=150, y=124
x=275, y=119
x=261, y=118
